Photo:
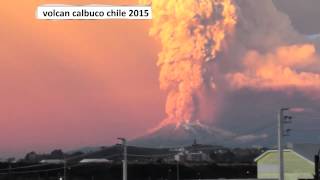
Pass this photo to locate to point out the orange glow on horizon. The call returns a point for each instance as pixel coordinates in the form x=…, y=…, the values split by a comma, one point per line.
x=76, y=77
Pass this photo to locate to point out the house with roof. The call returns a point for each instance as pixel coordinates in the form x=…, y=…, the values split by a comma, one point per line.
x=95, y=161
x=52, y=161
x=298, y=162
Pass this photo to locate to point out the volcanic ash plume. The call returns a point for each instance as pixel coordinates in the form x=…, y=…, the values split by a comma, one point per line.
x=284, y=69
x=191, y=33
x=274, y=56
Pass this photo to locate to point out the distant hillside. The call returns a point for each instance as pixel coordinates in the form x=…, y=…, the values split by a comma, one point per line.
x=185, y=134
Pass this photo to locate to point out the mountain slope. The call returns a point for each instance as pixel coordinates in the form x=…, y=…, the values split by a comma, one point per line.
x=185, y=134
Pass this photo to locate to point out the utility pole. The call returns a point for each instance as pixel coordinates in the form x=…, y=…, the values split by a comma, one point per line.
x=125, y=161
x=316, y=166
x=65, y=169
x=281, y=121
x=178, y=173
x=10, y=175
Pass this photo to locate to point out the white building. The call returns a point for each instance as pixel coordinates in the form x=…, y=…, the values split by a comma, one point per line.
x=298, y=162
x=197, y=156
x=52, y=161
x=101, y=160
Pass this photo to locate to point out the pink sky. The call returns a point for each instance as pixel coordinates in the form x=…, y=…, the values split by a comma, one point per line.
x=68, y=84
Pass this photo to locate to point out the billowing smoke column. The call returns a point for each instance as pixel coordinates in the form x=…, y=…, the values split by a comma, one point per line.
x=191, y=32
x=266, y=53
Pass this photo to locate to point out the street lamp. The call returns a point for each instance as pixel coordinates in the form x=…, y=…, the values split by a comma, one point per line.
x=124, y=165
x=64, y=169
x=316, y=166
x=178, y=170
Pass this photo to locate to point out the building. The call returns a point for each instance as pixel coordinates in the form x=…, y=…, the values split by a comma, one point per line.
x=198, y=157
x=298, y=162
x=187, y=156
x=95, y=161
x=194, y=153
x=52, y=161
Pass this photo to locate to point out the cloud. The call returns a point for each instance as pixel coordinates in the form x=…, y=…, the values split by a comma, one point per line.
x=283, y=69
x=251, y=137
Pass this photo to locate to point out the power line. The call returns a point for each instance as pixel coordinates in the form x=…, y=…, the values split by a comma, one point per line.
x=40, y=165
x=25, y=167
x=47, y=164
x=37, y=171
x=32, y=171
x=309, y=118
x=307, y=129
x=41, y=170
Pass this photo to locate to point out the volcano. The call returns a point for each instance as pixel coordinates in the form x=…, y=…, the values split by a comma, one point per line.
x=186, y=133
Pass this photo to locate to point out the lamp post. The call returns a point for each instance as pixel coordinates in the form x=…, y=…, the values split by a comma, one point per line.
x=65, y=169
x=316, y=166
x=178, y=173
x=124, y=165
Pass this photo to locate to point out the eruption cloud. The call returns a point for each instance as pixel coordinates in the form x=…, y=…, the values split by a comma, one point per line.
x=270, y=55
x=281, y=70
x=191, y=32
x=265, y=54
